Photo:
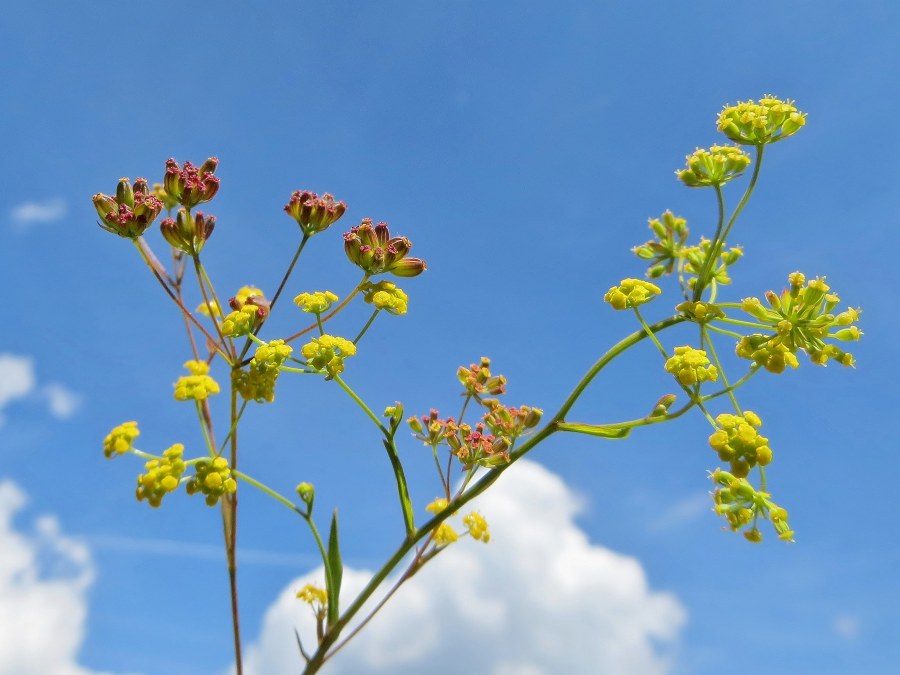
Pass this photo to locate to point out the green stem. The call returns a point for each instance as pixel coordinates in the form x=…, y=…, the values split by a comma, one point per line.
x=201, y=275
x=366, y=327
x=289, y=271
x=705, y=338
x=371, y=415
x=277, y=496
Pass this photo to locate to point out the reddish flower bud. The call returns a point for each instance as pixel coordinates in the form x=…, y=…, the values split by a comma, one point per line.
x=312, y=213
x=188, y=232
x=372, y=248
x=130, y=212
x=190, y=185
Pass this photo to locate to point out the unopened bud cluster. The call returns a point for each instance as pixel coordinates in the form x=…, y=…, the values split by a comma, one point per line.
x=162, y=476
x=313, y=213
x=691, y=366
x=478, y=380
x=664, y=251
x=131, y=211
x=372, y=249
x=768, y=121
x=713, y=167
x=385, y=295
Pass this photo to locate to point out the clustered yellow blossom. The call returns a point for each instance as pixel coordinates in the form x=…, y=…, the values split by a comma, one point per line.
x=445, y=535
x=121, y=439
x=213, y=478
x=691, y=366
x=162, y=476
x=203, y=308
x=477, y=527
x=802, y=318
x=327, y=352
x=769, y=121
x=437, y=505
x=742, y=506
x=198, y=385
x=738, y=442
x=386, y=295
x=315, y=303
x=240, y=322
x=257, y=381
x=713, y=167
x=631, y=293
x=245, y=293
x=312, y=594
x=699, y=311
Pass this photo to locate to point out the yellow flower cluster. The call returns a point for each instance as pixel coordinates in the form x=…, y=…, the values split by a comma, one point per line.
x=690, y=366
x=445, y=535
x=315, y=303
x=328, y=352
x=162, y=476
x=121, y=439
x=477, y=527
x=312, y=594
x=738, y=442
x=257, y=382
x=769, y=121
x=742, y=506
x=631, y=293
x=387, y=296
x=713, y=167
x=213, y=479
x=203, y=308
x=196, y=386
x=240, y=322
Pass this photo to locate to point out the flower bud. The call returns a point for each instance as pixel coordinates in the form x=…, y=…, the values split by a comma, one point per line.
x=307, y=493
x=312, y=213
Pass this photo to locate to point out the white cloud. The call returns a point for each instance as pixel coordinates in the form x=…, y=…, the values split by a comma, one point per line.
x=32, y=213
x=539, y=599
x=63, y=401
x=16, y=379
x=44, y=576
x=682, y=512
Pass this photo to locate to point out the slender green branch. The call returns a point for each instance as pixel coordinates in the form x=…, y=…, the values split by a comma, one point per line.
x=289, y=271
x=333, y=312
x=201, y=274
x=366, y=327
x=277, y=496
x=371, y=415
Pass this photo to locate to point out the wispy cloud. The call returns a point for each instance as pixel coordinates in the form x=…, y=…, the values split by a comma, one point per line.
x=682, y=512
x=25, y=216
x=186, y=549
x=539, y=598
x=846, y=626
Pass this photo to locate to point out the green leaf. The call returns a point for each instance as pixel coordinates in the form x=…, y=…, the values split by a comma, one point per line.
x=601, y=430
x=334, y=573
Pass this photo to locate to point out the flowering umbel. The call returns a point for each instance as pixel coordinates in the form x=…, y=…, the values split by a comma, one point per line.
x=713, y=167
x=313, y=213
x=131, y=211
x=190, y=185
x=372, y=248
x=188, y=232
x=769, y=121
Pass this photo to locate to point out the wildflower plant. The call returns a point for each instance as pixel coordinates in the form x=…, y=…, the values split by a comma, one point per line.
x=473, y=447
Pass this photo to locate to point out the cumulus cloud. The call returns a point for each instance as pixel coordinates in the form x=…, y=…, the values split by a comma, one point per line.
x=28, y=214
x=44, y=576
x=63, y=402
x=18, y=381
x=539, y=599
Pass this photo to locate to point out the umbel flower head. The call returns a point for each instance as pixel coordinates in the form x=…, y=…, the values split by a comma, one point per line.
x=213, y=478
x=121, y=439
x=631, y=293
x=188, y=232
x=769, y=121
x=198, y=385
x=257, y=381
x=162, y=476
x=190, y=185
x=477, y=379
x=250, y=309
x=696, y=256
x=316, y=302
x=738, y=442
x=131, y=211
x=327, y=352
x=801, y=318
x=371, y=248
x=742, y=506
x=691, y=366
x=386, y=295
x=313, y=213
x=663, y=252
x=713, y=167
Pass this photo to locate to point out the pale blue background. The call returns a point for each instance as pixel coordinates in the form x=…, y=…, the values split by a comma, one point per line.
x=521, y=146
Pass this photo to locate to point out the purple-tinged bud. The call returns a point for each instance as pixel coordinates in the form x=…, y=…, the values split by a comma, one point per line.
x=408, y=267
x=105, y=205
x=141, y=187
x=533, y=418
x=312, y=213
x=191, y=185
x=130, y=212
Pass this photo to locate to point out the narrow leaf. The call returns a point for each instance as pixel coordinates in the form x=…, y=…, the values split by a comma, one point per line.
x=335, y=572
x=601, y=430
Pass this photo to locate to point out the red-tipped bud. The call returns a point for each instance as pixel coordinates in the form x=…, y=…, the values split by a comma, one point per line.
x=312, y=213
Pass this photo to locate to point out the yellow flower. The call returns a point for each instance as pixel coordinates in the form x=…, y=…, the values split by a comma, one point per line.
x=121, y=439
x=311, y=594
x=477, y=527
x=769, y=121
x=315, y=303
x=445, y=535
x=631, y=293
x=328, y=352
x=196, y=386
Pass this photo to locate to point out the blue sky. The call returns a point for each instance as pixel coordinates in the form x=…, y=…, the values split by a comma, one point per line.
x=522, y=148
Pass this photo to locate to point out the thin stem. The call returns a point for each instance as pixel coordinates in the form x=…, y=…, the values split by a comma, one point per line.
x=145, y=251
x=649, y=331
x=269, y=491
x=229, y=527
x=289, y=271
x=198, y=268
x=705, y=338
x=371, y=415
x=366, y=327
